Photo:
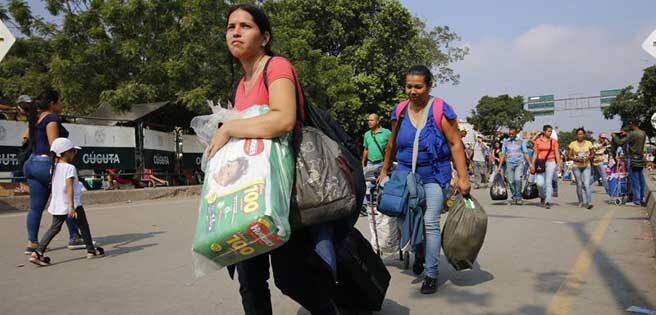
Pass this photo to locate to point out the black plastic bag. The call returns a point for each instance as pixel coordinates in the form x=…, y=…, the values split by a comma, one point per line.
x=530, y=191
x=498, y=190
x=464, y=231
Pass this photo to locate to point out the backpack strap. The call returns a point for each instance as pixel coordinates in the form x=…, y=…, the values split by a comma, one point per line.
x=438, y=110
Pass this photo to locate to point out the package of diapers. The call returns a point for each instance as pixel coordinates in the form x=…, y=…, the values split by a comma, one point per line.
x=244, y=204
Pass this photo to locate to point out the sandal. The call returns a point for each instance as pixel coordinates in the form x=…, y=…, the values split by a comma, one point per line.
x=39, y=259
x=97, y=253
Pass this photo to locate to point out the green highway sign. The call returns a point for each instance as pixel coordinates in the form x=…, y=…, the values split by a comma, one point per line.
x=543, y=103
x=607, y=96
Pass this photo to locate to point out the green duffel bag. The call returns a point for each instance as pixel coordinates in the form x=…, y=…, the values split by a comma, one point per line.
x=464, y=231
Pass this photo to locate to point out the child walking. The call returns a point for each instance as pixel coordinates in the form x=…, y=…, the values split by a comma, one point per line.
x=65, y=201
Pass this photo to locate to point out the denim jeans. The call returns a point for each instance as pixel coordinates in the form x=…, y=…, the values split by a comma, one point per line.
x=434, y=205
x=514, y=173
x=583, y=182
x=545, y=181
x=638, y=184
x=554, y=180
x=600, y=171
x=37, y=173
x=479, y=173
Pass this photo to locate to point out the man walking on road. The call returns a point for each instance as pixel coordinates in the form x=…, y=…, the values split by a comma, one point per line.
x=480, y=168
x=634, y=143
x=375, y=141
x=601, y=148
x=514, y=153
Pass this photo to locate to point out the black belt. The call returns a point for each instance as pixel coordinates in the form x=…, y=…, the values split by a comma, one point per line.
x=375, y=162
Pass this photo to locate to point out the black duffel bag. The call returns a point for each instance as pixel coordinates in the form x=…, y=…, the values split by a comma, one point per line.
x=329, y=181
x=363, y=279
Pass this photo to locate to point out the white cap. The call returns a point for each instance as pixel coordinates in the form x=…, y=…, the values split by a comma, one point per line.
x=61, y=145
x=24, y=99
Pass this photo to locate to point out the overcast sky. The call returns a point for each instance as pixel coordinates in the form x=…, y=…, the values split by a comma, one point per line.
x=561, y=47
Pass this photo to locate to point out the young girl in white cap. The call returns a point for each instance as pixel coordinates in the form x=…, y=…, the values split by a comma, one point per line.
x=65, y=201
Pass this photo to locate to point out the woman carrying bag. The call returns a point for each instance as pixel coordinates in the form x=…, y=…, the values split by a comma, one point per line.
x=439, y=143
x=294, y=264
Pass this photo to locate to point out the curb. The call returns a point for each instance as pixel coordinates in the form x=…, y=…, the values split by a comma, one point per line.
x=651, y=202
x=21, y=203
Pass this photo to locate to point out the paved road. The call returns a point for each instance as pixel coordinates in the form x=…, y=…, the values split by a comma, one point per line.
x=563, y=261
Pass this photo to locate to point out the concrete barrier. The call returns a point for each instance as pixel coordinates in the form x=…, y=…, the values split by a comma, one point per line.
x=651, y=202
x=21, y=203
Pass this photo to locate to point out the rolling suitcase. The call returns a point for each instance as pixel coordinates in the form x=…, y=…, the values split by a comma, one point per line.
x=362, y=277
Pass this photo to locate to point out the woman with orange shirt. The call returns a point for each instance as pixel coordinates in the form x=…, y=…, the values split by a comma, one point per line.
x=546, y=159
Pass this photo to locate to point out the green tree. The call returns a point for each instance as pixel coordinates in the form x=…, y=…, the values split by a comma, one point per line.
x=637, y=105
x=566, y=137
x=351, y=55
x=494, y=113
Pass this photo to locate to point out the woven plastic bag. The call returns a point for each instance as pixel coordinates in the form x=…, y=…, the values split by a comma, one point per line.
x=464, y=231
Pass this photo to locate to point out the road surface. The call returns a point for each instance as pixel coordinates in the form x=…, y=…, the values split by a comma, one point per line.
x=534, y=261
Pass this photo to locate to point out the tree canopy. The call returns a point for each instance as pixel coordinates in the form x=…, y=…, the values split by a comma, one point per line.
x=351, y=55
x=494, y=113
x=637, y=105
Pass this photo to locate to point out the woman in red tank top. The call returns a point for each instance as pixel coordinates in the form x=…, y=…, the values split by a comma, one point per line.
x=249, y=39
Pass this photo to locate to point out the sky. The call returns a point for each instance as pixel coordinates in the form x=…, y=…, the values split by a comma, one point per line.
x=529, y=48
x=536, y=47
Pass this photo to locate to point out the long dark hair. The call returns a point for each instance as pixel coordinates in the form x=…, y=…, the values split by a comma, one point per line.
x=42, y=103
x=262, y=21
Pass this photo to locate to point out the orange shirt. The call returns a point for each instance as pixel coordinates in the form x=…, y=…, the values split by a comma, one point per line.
x=542, y=145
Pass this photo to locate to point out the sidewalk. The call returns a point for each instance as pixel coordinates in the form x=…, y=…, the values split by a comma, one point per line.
x=94, y=197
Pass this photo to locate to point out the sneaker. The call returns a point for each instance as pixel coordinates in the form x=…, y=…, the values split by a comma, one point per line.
x=519, y=202
x=78, y=243
x=590, y=206
x=547, y=205
x=418, y=265
x=97, y=253
x=31, y=247
x=429, y=286
x=39, y=259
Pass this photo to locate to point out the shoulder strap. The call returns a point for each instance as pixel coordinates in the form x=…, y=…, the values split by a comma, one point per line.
x=415, y=146
x=438, y=110
x=373, y=136
x=265, y=80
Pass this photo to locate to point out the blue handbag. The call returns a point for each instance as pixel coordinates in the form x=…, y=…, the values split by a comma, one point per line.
x=394, y=199
x=405, y=189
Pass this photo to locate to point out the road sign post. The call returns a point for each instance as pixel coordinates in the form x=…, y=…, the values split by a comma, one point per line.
x=649, y=45
x=7, y=39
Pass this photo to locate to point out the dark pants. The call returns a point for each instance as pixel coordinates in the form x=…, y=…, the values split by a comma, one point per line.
x=58, y=220
x=298, y=272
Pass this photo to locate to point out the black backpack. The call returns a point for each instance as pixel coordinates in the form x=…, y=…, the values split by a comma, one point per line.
x=320, y=119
